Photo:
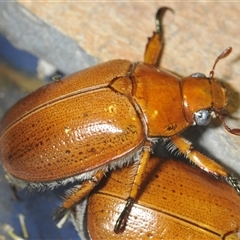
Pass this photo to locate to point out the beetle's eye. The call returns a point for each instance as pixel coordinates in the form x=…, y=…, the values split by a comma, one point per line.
x=198, y=75
x=202, y=117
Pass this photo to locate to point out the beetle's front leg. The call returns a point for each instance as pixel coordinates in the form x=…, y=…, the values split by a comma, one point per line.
x=205, y=163
x=77, y=193
x=155, y=43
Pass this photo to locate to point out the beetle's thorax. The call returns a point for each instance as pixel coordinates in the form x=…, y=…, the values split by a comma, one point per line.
x=158, y=93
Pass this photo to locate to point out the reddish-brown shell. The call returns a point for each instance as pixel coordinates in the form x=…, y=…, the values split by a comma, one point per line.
x=176, y=201
x=70, y=126
x=93, y=117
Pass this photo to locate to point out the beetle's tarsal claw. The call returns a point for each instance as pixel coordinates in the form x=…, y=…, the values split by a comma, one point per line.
x=61, y=211
x=122, y=220
x=61, y=216
x=15, y=193
x=233, y=181
x=159, y=16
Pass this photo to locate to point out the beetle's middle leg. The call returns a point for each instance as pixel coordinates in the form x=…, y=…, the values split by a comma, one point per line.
x=122, y=220
x=79, y=193
x=203, y=162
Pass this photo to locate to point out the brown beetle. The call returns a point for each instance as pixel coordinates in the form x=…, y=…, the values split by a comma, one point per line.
x=106, y=117
x=177, y=201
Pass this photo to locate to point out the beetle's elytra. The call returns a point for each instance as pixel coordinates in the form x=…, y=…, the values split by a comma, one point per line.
x=106, y=117
x=177, y=201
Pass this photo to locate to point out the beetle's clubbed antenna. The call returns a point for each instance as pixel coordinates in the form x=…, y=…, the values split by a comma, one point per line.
x=224, y=54
x=235, y=131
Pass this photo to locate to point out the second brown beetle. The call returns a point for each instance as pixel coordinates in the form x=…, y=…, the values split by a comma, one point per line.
x=177, y=201
x=106, y=117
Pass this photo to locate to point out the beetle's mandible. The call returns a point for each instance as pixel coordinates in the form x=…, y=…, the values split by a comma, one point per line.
x=106, y=117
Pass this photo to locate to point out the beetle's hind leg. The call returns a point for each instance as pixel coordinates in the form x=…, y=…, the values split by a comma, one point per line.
x=205, y=163
x=122, y=220
x=76, y=194
x=154, y=46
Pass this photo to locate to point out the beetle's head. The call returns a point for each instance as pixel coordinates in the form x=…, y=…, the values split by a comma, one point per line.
x=204, y=97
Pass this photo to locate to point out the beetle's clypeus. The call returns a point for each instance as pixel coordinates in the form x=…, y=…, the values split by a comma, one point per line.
x=105, y=117
x=177, y=202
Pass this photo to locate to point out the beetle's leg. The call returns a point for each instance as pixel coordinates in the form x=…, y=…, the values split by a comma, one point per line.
x=78, y=193
x=122, y=220
x=205, y=163
x=15, y=193
x=155, y=43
